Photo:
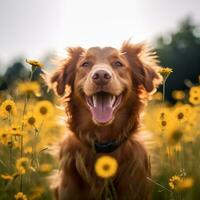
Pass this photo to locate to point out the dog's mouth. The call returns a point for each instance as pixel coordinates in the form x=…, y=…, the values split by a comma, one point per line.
x=102, y=106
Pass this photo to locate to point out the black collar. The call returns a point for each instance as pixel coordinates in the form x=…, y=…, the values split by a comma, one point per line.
x=107, y=147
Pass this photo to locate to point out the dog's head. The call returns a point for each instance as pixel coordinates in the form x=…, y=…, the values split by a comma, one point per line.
x=107, y=82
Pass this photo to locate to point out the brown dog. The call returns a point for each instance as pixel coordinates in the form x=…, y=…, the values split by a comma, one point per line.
x=109, y=88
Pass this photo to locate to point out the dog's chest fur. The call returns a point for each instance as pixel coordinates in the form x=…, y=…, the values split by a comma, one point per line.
x=78, y=178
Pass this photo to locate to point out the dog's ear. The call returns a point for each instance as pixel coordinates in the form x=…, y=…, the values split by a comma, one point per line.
x=65, y=74
x=144, y=65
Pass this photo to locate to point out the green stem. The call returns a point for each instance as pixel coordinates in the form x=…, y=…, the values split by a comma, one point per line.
x=35, y=148
x=41, y=125
x=21, y=146
x=113, y=190
x=9, y=119
x=10, y=156
x=163, y=96
x=22, y=128
x=158, y=184
x=106, y=189
x=10, y=145
x=27, y=96
x=164, y=86
x=21, y=155
x=31, y=75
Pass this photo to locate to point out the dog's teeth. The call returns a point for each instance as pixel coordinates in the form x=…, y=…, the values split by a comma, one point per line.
x=94, y=99
x=113, y=100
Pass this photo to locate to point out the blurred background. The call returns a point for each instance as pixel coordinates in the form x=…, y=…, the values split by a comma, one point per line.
x=42, y=30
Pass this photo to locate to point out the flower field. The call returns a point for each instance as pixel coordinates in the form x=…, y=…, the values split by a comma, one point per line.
x=30, y=124
x=176, y=140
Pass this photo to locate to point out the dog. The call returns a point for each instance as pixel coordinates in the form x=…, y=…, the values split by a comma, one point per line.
x=109, y=89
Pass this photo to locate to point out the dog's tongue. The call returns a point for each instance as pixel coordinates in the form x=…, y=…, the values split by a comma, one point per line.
x=102, y=110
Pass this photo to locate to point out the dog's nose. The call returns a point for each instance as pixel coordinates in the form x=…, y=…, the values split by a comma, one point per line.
x=101, y=77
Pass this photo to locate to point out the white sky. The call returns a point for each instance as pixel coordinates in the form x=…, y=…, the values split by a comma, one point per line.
x=31, y=27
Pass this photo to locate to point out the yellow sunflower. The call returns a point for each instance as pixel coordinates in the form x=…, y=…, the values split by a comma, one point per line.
x=195, y=91
x=164, y=120
x=15, y=130
x=30, y=120
x=174, y=181
x=45, y=167
x=34, y=63
x=22, y=164
x=185, y=184
x=20, y=196
x=6, y=177
x=165, y=72
x=195, y=100
x=106, y=166
x=44, y=109
x=8, y=107
x=3, y=114
x=182, y=113
x=29, y=87
x=178, y=94
x=163, y=113
x=4, y=136
x=194, y=95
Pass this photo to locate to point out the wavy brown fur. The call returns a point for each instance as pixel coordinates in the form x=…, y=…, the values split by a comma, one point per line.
x=77, y=154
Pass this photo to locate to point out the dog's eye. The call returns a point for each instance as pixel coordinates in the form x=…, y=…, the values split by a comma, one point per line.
x=86, y=64
x=117, y=64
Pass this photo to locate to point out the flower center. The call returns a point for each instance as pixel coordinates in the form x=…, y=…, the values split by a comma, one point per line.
x=106, y=167
x=31, y=120
x=175, y=182
x=8, y=108
x=180, y=116
x=43, y=110
x=163, y=123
